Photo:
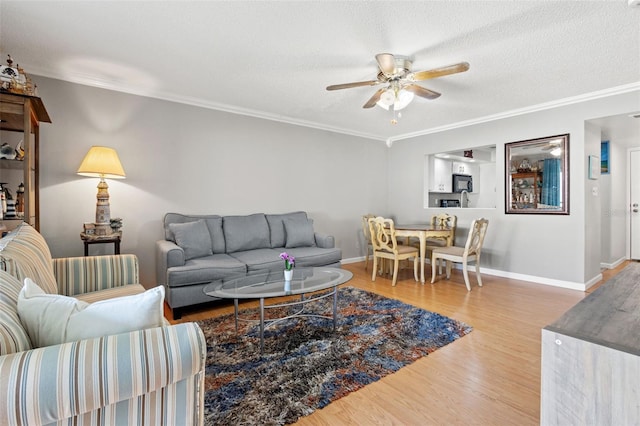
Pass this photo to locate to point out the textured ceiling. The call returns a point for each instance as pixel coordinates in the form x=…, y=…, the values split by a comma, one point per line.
x=273, y=59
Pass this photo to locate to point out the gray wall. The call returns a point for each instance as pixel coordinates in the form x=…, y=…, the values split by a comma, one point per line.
x=180, y=158
x=558, y=250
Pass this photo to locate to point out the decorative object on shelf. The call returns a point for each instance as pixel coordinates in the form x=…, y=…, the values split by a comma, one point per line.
x=540, y=184
x=8, y=204
x=102, y=162
x=15, y=80
x=3, y=200
x=7, y=151
x=89, y=228
x=289, y=263
x=116, y=224
x=11, y=210
x=20, y=151
x=20, y=200
x=524, y=166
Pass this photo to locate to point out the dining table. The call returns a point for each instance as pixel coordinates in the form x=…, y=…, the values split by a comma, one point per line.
x=422, y=231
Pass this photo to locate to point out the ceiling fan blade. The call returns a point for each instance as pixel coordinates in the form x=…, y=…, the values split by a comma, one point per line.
x=374, y=99
x=355, y=84
x=387, y=63
x=439, y=72
x=421, y=91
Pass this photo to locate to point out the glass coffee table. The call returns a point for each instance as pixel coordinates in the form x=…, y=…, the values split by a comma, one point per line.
x=272, y=284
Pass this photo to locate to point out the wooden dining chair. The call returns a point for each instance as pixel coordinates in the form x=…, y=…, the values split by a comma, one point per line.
x=367, y=238
x=385, y=246
x=470, y=252
x=444, y=220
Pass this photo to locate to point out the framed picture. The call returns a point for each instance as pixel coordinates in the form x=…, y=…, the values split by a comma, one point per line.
x=604, y=157
x=594, y=167
x=537, y=176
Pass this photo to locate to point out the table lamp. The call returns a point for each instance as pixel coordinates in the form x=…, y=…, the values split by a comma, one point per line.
x=102, y=162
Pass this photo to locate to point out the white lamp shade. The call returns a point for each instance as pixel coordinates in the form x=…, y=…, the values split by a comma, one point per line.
x=102, y=162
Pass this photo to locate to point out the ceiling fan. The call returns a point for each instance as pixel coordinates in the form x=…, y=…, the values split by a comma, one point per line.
x=400, y=82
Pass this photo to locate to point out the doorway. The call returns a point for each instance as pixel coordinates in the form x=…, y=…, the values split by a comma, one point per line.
x=634, y=203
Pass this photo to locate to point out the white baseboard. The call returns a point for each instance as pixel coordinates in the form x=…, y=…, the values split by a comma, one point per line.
x=612, y=265
x=516, y=276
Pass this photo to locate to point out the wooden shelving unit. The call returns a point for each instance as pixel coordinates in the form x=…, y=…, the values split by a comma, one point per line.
x=526, y=194
x=23, y=114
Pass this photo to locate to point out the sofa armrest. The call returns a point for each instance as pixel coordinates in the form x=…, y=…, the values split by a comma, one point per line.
x=78, y=275
x=132, y=377
x=168, y=255
x=325, y=241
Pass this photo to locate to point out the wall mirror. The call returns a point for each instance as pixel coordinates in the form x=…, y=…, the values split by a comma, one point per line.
x=537, y=176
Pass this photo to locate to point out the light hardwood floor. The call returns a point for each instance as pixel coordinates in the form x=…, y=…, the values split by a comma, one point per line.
x=489, y=377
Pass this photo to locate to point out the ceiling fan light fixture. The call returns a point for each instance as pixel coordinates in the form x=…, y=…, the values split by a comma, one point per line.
x=387, y=98
x=404, y=98
x=556, y=151
x=399, y=101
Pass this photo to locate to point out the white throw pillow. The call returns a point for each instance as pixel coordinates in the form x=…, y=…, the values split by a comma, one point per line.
x=51, y=319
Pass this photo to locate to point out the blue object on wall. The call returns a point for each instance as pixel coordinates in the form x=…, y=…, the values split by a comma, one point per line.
x=604, y=158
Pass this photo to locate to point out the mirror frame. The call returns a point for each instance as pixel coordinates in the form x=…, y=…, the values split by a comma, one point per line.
x=511, y=168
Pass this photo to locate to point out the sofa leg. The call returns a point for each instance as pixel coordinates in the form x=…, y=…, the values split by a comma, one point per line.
x=177, y=313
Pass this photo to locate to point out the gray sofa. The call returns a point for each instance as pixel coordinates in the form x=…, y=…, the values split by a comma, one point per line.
x=198, y=250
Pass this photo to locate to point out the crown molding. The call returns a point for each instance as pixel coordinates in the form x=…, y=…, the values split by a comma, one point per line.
x=198, y=102
x=618, y=90
x=150, y=93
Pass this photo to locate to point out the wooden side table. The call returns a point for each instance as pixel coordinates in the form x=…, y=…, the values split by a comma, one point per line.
x=101, y=239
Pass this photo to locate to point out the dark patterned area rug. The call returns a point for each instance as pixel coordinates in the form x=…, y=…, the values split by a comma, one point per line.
x=306, y=365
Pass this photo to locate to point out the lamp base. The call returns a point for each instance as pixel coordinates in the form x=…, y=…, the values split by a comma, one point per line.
x=102, y=229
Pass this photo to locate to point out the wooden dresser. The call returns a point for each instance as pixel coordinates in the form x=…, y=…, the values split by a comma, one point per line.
x=591, y=358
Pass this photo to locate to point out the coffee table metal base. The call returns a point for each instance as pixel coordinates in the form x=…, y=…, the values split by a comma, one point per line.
x=266, y=323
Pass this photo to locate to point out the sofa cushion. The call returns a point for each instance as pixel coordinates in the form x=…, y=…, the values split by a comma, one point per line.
x=214, y=223
x=205, y=269
x=193, y=238
x=246, y=232
x=260, y=260
x=53, y=319
x=13, y=336
x=25, y=254
x=315, y=256
x=276, y=226
x=299, y=233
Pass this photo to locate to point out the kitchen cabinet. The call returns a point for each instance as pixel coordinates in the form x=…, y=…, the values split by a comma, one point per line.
x=525, y=189
x=440, y=175
x=461, y=168
x=20, y=118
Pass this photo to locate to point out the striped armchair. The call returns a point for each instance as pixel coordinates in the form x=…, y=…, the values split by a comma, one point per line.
x=146, y=377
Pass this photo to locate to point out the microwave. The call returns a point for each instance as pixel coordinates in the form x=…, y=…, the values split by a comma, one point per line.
x=462, y=183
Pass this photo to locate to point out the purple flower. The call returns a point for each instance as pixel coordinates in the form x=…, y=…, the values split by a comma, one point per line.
x=289, y=261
